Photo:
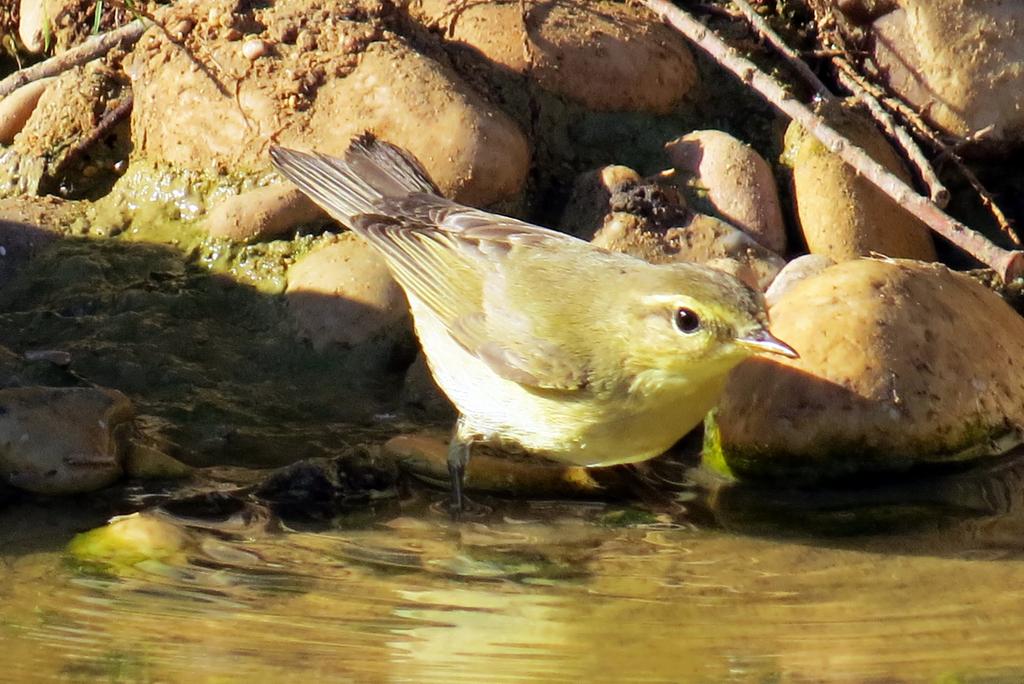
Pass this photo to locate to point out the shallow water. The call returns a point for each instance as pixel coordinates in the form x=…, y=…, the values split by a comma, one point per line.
x=746, y=588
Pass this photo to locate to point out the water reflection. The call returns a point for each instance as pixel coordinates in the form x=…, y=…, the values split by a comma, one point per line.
x=541, y=592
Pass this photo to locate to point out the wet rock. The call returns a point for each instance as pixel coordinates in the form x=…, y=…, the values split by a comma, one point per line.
x=343, y=295
x=900, y=363
x=60, y=440
x=320, y=489
x=842, y=215
x=604, y=55
x=261, y=213
x=130, y=540
x=16, y=108
x=738, y=182
x=792, y=273
x=343, y=73
x=959, y=63
x=425, y=455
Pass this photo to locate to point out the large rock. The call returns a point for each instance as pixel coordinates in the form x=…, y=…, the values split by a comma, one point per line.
x=842, y=215
x=959, y=62
x=62, y=440
x=900, y=363
x=607, y=56
x=312, y=74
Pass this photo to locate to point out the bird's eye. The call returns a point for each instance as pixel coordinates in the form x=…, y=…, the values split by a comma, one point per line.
x=686, y=321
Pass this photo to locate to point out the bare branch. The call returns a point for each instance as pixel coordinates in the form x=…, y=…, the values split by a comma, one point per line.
x=794, y=60
x=94, y=47
x=1008, y=264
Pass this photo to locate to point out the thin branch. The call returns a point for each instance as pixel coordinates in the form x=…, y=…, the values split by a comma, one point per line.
x=1008, y=264
x=794, y=59
x=936, y=190
x=103, y=126
x=94, y=47
x=944, y=151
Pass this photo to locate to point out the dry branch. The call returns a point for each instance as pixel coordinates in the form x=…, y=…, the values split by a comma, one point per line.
x=936, y=190
x=94, y=47
x=1008, y=264
x=791, y=57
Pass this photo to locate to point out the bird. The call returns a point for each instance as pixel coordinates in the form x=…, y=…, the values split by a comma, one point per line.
x=544, y=343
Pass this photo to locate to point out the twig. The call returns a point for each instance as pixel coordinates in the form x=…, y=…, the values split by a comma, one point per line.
x=794, y=60
x=936, y=190
x=1008, y=264
x=900, y=108
x=105, y=124
x=92, y=48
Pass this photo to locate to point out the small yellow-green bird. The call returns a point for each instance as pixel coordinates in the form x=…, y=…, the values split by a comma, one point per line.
x=542, y=341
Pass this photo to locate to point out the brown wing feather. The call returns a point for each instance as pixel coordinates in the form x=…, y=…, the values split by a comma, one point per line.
x=447, y=255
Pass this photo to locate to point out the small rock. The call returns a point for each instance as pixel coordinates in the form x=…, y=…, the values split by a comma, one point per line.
x=421, y=392
x=842, y=215
x=425, y=455
x=901, y=363
x=16, y=108
x=792, y=273
x=739, y=183
x=254, y=48
x=62, y=440
x=343, y=295
x=261, y=213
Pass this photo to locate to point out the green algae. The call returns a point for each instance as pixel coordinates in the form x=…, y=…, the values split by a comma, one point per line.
x=839, y=459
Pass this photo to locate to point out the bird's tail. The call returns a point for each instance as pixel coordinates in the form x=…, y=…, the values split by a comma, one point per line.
x=371, y=171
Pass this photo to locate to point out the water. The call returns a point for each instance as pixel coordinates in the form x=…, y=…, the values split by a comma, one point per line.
x=731, y=588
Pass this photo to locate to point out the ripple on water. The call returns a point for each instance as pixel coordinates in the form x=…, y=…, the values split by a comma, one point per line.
x=545, y=593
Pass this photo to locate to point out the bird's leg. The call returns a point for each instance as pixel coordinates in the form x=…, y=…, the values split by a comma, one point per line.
x=458, y=457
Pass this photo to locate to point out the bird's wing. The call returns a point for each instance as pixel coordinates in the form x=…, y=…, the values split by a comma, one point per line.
x=449, y=256
x=455, y=268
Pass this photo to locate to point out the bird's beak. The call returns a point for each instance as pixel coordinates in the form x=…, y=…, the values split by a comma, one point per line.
x=761, y=341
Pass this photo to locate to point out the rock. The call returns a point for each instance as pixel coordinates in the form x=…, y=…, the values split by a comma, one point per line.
x=339, y=77
x=62, y=440
x=792, y=273
x=51, y=151
x=695, y=237
x=607, y=56
x=590, y=200
x=900, y=363
x=959, y=63
x=343, y=295
x=131, y=540
x=261, y=213
x=19, y=242
x=425, y=455
x=842, y=215
x=421, y=392
x=16, y=108
x=56, y=25
x=738, y=182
